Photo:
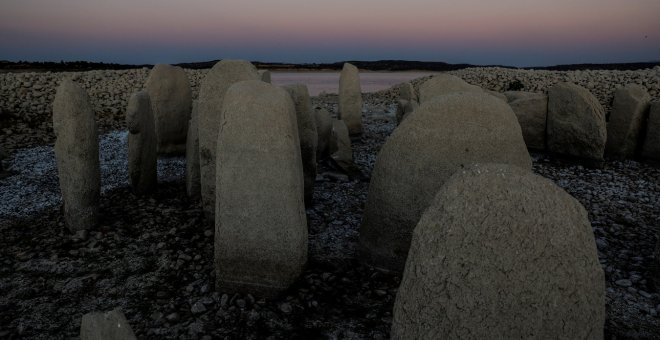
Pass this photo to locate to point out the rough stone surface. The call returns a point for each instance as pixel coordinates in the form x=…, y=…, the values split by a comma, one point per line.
x=260, y=227
x=651, y=147
x=142, y=144
x=576, y=122
x=626, y=121
x=211, y=96
x=350, y=99
x=192, y=156
x=407, y=92
x=324, y=131
x=441, y=137
x=77, y=153
x=307, y=134
x=264, y=75
x=532, y=112
x=105, y=326
x=501, y=253
x=171, y=102
x=441, y=84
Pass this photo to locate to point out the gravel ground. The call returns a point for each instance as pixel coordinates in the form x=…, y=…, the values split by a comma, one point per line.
x=152, y=257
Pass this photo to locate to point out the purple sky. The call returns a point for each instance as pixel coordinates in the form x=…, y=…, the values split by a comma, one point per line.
x=509, y=32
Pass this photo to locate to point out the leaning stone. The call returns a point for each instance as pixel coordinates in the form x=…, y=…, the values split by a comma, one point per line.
x=106, y=326
x=324, y=131
x=260, y=225
x=192, y=156
x=265, y=76
x=407, y=92
x=501, y=253
x=442, y=136
x=441, y=84
x=627, y=118
x=350, y=99
x=77, y=154
x=211, y=96
x=171, y=102
x=307, y=134
x=531, y=109
x=142, y=144
x=576, y=123
x=651, y=147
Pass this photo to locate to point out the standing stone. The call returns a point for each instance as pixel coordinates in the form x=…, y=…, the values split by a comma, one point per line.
x=441, y=137
x=142, y=144
x=171, y=102
x=192, y=156
x=627, y=118
x=441, y=84
x=341, y=143
x=106, y=326
x=576, y=122
x=501, y=253
x=350, y=99
x=531, y=109
x=77, y=153
x=651, y=147
x=324, y=131
x=211, y=96
x=260, y=226
x=307, y=135
x=407, y=92
x=264, y=75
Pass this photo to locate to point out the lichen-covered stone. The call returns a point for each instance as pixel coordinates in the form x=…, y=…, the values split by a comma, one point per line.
x=260, y=224
x=211, y=95
x=350, y=99
x=142, y=144
x=171, y=102
x=77, y=154
x=307, y=134
x=442, y=136
x=501, y=253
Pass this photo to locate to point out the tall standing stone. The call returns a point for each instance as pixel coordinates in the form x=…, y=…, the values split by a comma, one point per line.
x=501, y=253
x=142, y=144
x=531, y=109
x=324, y=131
x=260, y=225
x=106, y=326
x=211, y=97
x=192, y=156
x=442, y=136
x=651, y=147
x=77, y=154
x=441, y=84
x=171, y=102
x=627, y=118
x=307, y=135
x=576, y=122
x=350, y=99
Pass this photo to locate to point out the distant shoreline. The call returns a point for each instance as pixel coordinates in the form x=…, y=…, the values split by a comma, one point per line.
x=376, y=66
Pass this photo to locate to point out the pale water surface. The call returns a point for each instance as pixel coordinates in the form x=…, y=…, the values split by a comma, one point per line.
x=328, y=82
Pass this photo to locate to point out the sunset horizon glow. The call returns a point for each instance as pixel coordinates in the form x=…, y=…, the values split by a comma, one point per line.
x=509, y=32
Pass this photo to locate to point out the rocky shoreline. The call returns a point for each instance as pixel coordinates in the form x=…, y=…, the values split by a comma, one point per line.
x=151, y=257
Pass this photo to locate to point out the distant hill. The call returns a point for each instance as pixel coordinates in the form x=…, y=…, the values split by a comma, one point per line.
x=380, y=65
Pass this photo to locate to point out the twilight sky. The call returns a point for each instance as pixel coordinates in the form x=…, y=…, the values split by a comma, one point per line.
x=509, y=32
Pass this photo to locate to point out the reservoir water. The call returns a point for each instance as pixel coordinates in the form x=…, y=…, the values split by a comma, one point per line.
x=328, y=82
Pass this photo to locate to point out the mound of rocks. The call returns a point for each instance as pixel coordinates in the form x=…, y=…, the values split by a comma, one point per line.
x=77, y=153
x=260, y=224
x=576, y=123
x=501, y=253
x=441, y=137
